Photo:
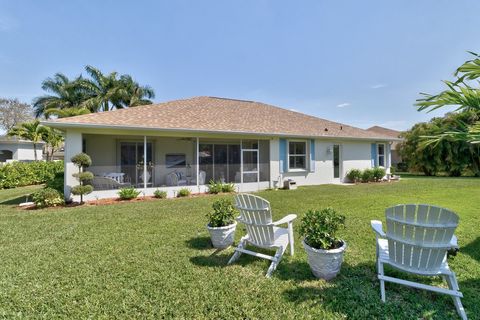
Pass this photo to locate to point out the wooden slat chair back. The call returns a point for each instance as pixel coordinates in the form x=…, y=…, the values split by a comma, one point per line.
x=256, y=215
x=419, y=236
x=417, y=240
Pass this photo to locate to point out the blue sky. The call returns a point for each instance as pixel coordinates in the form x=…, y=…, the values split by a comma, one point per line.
x=357, y=62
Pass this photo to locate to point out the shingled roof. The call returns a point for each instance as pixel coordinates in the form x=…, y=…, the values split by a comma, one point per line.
x=212, y=114
x=385, y=131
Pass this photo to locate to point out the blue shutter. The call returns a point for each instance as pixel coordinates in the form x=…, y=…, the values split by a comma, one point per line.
x=312, y=155
x=374, y=155
x=283, y=155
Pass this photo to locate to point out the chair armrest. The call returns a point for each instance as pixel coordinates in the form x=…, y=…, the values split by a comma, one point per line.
x=454, y=242
x=286, y=219
x=377, y=227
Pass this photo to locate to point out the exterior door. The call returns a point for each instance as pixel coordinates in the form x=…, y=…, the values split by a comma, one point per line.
x=337, y=162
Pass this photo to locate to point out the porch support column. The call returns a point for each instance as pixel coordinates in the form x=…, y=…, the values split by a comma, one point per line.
x=73, y=146
x=145, y=162
x=198, y=163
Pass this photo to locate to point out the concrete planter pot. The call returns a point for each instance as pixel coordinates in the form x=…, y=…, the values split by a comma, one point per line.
x=222, y=237
x=325, y=264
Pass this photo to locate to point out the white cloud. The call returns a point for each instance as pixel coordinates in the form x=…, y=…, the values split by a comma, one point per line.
x=343, y=105
x=378, y=86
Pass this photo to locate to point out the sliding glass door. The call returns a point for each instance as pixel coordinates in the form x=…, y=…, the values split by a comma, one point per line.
x=221, y=162
x=336, y=161
x=132, y=160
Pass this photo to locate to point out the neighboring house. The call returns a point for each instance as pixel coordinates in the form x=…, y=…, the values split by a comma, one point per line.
x=395, y=145
x=13, y=148
x=192, y=141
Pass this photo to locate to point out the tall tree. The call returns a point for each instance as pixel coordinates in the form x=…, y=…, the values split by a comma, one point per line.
x=14, y=112
x=133, y=94
x=53, y=139
x=460, y=94
x=63, y=94
x=32, y=131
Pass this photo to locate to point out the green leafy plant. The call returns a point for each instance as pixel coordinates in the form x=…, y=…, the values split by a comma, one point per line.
x=367, y=175
x=128, y=193
x=319, y=228
x=223, y=214
x=228, y=187
x=184, y=192
x=81, y=161
x=57, y=182
x=214, y=187
x=160, y=194
x=47, y=197
x=354, y=175
x=393, y=169
x=18, y=174
x=378, y=173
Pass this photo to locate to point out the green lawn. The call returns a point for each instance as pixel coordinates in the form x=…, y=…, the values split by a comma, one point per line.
x=153, y=259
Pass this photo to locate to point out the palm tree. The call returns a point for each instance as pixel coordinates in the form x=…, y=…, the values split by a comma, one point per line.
x=66, y=112
x=134, y=94
x=53, y=138
x=461, y=95
x=65, y=93
x=32, y=131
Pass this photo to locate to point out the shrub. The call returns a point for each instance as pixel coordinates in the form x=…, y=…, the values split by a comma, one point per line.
x=47, y=197
x=128, y=193
x=367, y=175
x=319, y=228
x=223, y=214
x=18, y=174
x=160, y=194
x=184, y=192
x=57, y=182
x=378, y=173
x=82, y=160
x=214, y=187
x=228, y=187
x=354, y=175
x=393, y=170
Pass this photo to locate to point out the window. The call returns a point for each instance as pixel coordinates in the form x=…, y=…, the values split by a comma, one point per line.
x=381, y=154
x=297, y=154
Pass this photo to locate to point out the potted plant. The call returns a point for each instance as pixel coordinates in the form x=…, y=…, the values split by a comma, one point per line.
x=324, y=249
x=221, y=223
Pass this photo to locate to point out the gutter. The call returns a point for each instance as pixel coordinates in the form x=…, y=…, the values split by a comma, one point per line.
x=66, y=125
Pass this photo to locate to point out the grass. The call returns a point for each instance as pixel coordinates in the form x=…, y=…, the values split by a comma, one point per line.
x=154, y=259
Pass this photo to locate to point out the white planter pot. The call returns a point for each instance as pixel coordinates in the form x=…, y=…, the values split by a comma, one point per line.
x=325, y=264
x=222, y=237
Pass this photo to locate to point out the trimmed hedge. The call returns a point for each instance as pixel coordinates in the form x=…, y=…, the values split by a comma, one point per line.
x=18, y=174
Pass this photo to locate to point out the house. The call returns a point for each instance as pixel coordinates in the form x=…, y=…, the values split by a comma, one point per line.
x=395, y=146
x=187, y=143
x=13, y=148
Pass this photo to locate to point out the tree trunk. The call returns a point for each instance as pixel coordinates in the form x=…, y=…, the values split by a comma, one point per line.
x=35, y=151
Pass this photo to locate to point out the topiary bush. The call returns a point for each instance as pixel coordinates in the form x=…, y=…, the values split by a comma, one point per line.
x=223, y=214
x=184, y=192
x=128, y=193
x=367, y=175
x=81, y=161
x=378, y=173
x=47, y=197
x=159, y=194
x=319, y=228
x=354, y=175
x=18, y=174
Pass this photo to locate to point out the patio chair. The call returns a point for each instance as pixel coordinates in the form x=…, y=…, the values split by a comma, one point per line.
x=256, y=215
x=417, y=240
x=176, y=179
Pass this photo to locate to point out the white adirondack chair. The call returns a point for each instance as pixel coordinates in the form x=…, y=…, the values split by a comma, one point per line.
x=256, y=215
x=417, y=240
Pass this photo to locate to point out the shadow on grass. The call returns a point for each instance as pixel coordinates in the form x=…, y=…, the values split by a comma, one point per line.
x=199, y=243
x=16, y=201
x=355, y=294
x=472, y=249
x=220, y=257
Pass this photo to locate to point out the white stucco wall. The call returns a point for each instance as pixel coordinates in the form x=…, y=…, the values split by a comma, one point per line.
x=73, y=146
x=22, y=151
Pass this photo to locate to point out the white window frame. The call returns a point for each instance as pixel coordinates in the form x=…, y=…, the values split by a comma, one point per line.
x=297, y=155
x=384, y=155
